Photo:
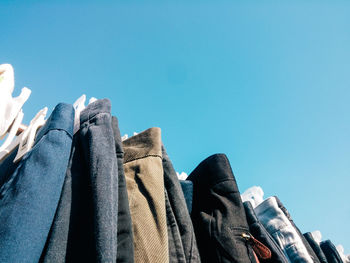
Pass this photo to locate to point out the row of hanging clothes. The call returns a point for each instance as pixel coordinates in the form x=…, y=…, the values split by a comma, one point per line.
x=72, y=190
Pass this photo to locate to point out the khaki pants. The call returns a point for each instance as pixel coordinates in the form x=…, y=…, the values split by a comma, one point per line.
x=145, y=184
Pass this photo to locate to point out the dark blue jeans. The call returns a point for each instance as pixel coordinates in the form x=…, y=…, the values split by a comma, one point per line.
x=187, y=189
x=125, y=251
x=85, y=224
x=182, y=240
x=331, y=252
x=30, y=190
x=316, y=247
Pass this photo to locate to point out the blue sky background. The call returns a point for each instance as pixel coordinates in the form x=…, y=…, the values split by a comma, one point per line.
x=266, y=82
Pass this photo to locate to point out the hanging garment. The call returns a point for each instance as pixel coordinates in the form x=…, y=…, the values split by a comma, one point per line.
x=182, y=240
x=187, y=189
x=331, y=252
x=218, y=215
x=145, y=183
x=316, y=247
x=306, y=244
x=125, y=251
x=85, y=224
x=260, y=233
x=30, y=189
x=280, y=228
x=343, y=257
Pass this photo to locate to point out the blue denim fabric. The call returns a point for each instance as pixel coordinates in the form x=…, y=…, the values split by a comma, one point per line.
x=280, y=228
x=316, y=247
x=125, y=251
x=187, y=189
x=85, y=224
x=30, y=190
x=260, y=233
x=303, y=239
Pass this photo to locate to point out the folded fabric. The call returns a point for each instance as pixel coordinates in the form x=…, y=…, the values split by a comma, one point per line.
x=280, y=228
x=331, y=252
x=85, y=224
x=218, y=214
x=187, y=189
x=182, y=240
x=316, y=247
x=260, y=233
x=125, y=248
x=30, y=189
x=310, y=251
x=145, y=183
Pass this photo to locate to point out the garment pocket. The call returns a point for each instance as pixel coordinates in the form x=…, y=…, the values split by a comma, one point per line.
x=232, y=244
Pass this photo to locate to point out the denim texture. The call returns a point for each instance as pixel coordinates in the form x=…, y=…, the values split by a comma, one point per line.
x=306, y=244
x=30, y=189
x=218, y=214
x=125, y=251
x=330, y=252
x=281, y=229
x=85, y=224
x=260, y=233
x=182, y=240
x=316, y=247
x=187, y=189
x=145, y=183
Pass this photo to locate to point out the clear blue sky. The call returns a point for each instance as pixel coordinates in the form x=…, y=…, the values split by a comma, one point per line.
x=266, y=82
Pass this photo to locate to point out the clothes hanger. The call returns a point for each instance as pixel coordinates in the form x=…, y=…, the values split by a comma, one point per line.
x=317, y=235
x=26, y=139
x=92, y=100
x=9, y=106
x=13, y=130
x=78, y=106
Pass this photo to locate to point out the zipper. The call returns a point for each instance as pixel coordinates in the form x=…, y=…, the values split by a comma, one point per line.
x=259, y=248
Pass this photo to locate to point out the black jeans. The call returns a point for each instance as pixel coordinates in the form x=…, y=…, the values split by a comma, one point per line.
x=306, y=244
x=316, y=247
x=331, y=252
x=182, y=240
x=218, y=215
x=260, y=233
x=125, y=251
x=85, y=224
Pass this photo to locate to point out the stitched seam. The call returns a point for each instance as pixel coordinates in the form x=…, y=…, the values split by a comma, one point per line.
x=224, y=180
x=138, y=158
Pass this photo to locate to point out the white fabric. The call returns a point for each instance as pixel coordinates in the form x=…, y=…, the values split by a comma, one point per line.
x=9, y=106
x=280, y=228
x=92, y=100
x=254, y=194
x=317, y=236
x=344, y=257
x=78, y=106
x=13, y=131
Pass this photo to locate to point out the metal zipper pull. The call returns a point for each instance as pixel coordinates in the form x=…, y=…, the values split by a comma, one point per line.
x=259, y=248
